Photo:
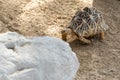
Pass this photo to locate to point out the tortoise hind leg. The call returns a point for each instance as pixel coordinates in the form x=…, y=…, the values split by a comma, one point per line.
x=84, y=40
x=65, y=32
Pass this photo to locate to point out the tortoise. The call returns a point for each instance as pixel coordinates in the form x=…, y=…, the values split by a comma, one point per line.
x=86, y=23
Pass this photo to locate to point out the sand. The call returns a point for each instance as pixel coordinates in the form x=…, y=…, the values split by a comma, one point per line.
x=99, y=61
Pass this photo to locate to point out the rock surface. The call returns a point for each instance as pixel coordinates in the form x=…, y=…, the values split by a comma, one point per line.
x=36, y=58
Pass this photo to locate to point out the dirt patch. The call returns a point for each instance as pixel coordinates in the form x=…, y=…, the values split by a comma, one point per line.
x=38, y=17
x=100, y=61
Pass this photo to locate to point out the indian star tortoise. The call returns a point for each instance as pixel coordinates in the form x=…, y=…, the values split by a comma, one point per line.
x=86, y=23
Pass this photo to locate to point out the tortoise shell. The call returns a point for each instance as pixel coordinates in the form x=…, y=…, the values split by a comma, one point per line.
x=88, y=22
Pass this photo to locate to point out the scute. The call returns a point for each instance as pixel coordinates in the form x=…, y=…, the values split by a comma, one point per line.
x=86, y=20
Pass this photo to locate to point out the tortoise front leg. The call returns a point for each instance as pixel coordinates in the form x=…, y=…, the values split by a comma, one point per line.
x=102, y=35
x=64, y=35
x=84, y=40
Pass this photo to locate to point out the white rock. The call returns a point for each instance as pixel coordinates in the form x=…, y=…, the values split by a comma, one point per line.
x=37, y=58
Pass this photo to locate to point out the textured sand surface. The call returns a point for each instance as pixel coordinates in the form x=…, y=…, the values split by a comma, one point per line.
x=100, y=61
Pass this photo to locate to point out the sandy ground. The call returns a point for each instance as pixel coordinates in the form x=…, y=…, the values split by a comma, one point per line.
x=100, y=61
